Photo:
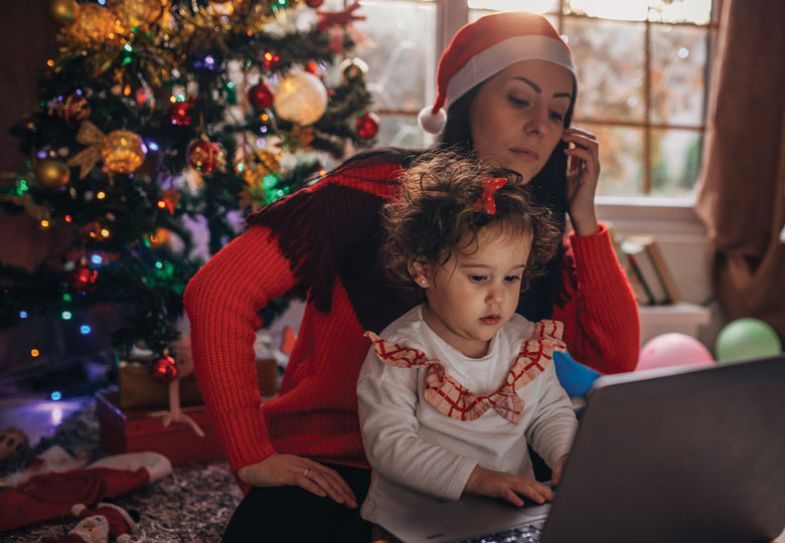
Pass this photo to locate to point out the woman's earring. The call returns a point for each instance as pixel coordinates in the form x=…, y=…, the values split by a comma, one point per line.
x=422, y=282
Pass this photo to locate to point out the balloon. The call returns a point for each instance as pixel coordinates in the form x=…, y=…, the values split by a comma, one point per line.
x=673, y=350
x=746, y=338
x=576, y=378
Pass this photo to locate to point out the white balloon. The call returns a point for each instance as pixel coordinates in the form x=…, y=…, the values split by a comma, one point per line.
x=300, y=97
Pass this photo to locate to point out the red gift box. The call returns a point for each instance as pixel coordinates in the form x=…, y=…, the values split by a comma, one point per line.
x=140, y=429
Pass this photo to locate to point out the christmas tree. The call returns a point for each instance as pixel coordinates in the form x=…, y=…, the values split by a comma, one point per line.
x=159, y=116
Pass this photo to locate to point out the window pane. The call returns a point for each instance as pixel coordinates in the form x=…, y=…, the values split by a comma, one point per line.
x=627, y=10
x=680, y=11
x=609, y=57
x=536, y=6
x=397, y=42
x=675, y=161
x=677, y=83
x=621, y=159
x=402, y=131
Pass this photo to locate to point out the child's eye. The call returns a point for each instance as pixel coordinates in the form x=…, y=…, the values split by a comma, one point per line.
x=478, y=278
x=512, y=278
x=556, y=116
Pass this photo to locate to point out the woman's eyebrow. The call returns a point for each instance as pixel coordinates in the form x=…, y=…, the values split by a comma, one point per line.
x=538, y=90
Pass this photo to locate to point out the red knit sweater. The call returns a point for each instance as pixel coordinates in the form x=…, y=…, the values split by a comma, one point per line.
x=323, y=240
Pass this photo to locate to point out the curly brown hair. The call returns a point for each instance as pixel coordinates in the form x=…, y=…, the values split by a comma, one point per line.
x=435, y=214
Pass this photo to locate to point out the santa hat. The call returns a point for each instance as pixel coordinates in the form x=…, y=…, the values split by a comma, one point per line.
x=120, y=522
x=485, y=47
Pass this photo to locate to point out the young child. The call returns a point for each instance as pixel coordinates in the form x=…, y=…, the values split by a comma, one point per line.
x=452, y=392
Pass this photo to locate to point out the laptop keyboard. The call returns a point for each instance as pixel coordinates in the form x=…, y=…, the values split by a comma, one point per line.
x=529, y=533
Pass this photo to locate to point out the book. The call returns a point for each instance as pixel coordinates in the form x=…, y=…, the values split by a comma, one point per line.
x=642, y=295
x=664, y=272
x=636, y=249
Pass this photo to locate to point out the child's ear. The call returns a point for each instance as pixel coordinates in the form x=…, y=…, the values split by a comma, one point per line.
x=420, y=272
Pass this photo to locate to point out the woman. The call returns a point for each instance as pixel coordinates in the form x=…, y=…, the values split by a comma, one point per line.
x=508, y=84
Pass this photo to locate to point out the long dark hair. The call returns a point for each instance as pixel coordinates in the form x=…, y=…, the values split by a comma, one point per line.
x=548, y=188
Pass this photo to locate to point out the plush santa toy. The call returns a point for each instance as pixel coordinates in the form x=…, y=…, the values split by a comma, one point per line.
x=98, y=524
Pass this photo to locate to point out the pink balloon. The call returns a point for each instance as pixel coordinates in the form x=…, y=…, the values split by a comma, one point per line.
x=673, y=350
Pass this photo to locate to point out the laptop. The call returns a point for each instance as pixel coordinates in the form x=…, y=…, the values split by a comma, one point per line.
x=672, y=455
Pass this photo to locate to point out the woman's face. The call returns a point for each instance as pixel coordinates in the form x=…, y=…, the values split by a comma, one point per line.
x=517, y=116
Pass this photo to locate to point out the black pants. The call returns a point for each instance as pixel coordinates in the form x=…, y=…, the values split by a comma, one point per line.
x=291, y=514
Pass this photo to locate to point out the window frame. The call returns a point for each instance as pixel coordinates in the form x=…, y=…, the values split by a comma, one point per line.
x=452, y=14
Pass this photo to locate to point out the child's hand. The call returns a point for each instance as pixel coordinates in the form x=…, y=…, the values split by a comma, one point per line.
x=558, y=468
x=292, y=470
x=497, y=484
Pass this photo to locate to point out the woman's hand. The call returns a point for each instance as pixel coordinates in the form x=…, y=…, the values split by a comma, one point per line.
x=498, y=484
x=583, y=171
x=558, y=469
x=292, y=470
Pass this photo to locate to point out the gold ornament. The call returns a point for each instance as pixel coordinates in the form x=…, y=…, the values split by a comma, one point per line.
x=123, y=152
x=51, y=174
x=94, y=26
x=139, y=14
x=300, y=97
x=159, y=239
x=64, y=11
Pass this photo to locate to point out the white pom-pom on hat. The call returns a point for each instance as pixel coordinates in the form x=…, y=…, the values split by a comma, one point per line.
x=433, y=123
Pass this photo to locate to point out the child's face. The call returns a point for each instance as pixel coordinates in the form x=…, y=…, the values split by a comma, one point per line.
x=476, y=291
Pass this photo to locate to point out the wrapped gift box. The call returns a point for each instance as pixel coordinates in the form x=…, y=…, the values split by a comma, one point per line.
x=138, y=390
x=141, y=429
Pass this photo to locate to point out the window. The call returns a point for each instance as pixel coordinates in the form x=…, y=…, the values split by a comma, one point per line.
x=642, y=72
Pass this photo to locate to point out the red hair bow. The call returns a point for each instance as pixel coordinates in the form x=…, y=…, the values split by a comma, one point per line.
x=487, y=201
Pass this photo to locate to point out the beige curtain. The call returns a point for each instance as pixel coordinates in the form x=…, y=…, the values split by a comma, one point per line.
x=741, y=195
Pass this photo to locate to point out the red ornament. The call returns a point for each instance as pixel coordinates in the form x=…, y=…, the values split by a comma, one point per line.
x=163, y=370
x=74, y=109
x=312, y=67
x=180, y=113
x=367, y=126
x=270, y=60
x=260, y=96
x=83, y=279
x=314, y=3
x=204, y=155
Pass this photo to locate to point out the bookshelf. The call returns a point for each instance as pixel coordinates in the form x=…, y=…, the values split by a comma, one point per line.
x=682, y=317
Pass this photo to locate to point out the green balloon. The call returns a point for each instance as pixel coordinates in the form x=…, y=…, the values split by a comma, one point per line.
x=746, y=338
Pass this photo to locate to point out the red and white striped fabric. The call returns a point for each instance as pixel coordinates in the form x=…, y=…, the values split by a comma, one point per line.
x=450, y=397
